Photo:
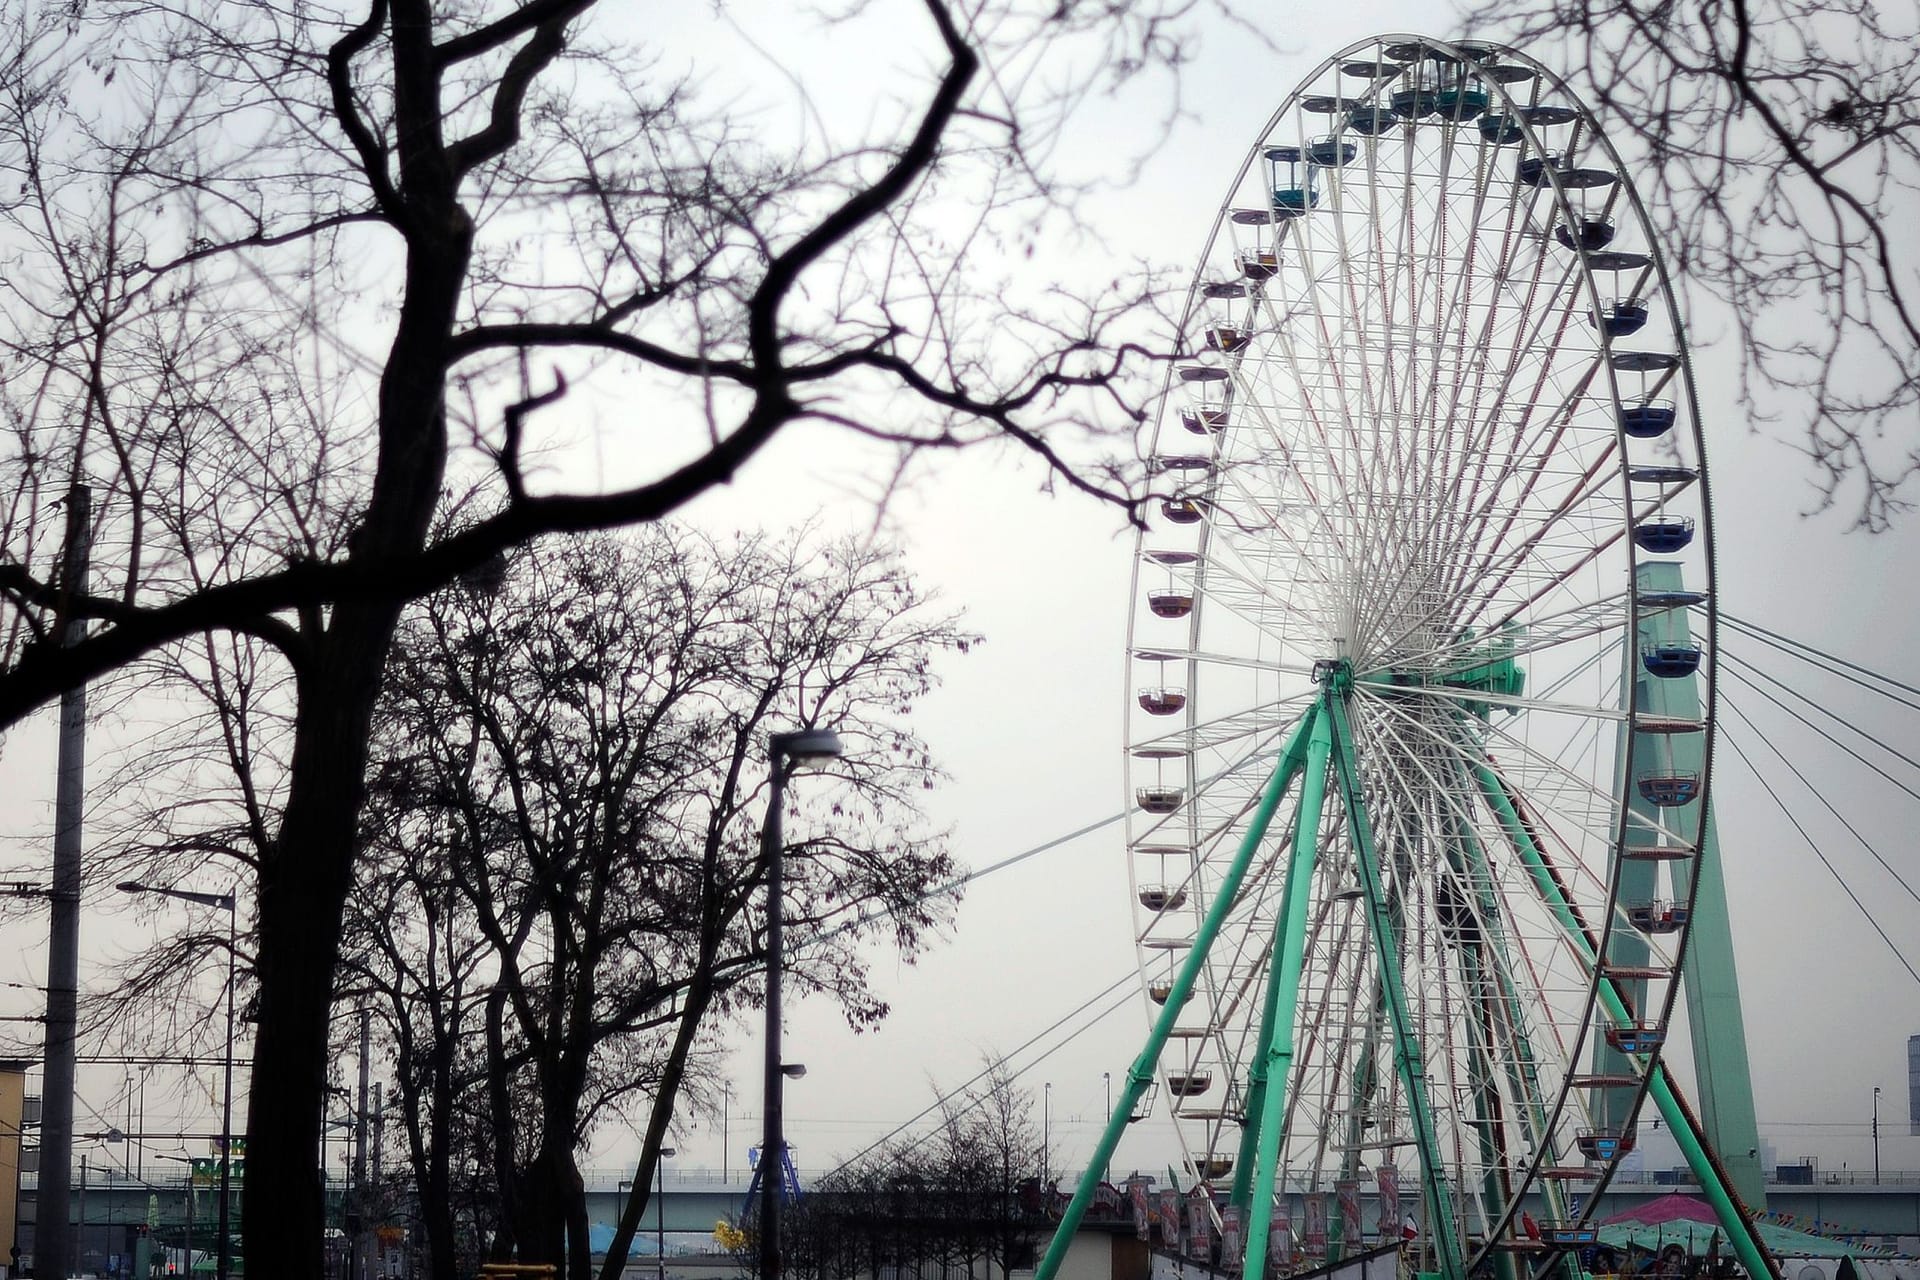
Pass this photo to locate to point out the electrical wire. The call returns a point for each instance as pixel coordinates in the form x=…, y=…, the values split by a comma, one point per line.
x=868, y=917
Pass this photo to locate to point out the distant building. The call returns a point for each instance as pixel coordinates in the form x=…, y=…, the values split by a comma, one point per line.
x=1913, y=1085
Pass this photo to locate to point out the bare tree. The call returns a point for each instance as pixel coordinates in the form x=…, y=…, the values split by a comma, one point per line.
x=1779, y=147
x=959, y=1198
x=560, y=906
x=277, y=278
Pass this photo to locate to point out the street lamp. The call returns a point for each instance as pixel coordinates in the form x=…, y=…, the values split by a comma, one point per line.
x=785, y=752
x=228, y=903
x=1046, y=1131
x=187, y=1161
x=1106, y=1078
x=1876, y=1135
x=660, y=1209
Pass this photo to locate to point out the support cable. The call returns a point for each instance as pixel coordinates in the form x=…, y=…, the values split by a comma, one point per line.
x=1820, y=658
x=1831, y=869
x=1131, y=976
x=1800, y=697
x=1824, y=802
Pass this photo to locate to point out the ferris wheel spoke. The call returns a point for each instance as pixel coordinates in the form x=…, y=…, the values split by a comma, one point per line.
x=1595, y=823
x=1431, y=467
x=1480, y=896
x=1261, y=725
x=1472, y=697
x=1584, y=621
x=1237, y=586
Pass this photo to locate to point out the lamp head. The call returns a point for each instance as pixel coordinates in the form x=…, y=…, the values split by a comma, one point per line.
x=793, y=1070
x=805, y=744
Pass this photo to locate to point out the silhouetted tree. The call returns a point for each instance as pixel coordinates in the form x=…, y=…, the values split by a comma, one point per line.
x=961, y=1199
x=1778, y=145
x=562, y=900
x=280, y=278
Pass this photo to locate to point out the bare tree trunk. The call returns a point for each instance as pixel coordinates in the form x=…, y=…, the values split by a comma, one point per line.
x=302, y=891
x=303, y=886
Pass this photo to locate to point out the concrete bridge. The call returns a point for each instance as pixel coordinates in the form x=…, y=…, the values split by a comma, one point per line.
x=116, y=1204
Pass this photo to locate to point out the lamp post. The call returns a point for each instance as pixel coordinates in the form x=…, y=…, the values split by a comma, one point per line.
x=1106, y=1078
x=229, y=903
x=785, y=751
x=1046, y=1132
x=1876, y=1135
x=660, y=1209
x=187, y=1161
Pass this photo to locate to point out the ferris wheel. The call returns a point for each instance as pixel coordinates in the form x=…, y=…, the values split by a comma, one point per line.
x=1421, y=718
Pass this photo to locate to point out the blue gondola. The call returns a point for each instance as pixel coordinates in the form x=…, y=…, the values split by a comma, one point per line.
x=1501, y=130
x=1664, y=535
x=1671, y=599
x=1533, y=170
x=1290, y=198
x=1637, y=1039
x=1372, y=120
x=1591, y=234
x=1461, y=102
x=1670, y=661
x=1291, y=202
x=1331, y=153
x=1414, y=103
x=1623, y=318
x=1646, y=421
x=1669, y=790
x=1603, y=1144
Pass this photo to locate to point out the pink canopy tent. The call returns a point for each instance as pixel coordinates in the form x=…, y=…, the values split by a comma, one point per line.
x=1662, y=1209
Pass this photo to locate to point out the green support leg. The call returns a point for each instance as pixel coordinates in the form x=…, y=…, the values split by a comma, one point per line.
x=1740, y=1234
x=1141, y=1073
x=1242, y=1193
x=1408, y=1061
x=1289, y=951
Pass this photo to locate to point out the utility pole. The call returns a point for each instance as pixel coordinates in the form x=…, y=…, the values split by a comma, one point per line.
x=360, y=1153
x=374, y=1197
x=53, y=1235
